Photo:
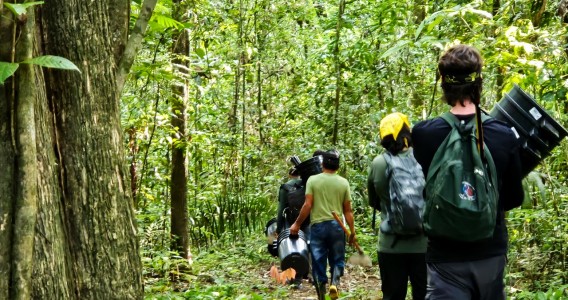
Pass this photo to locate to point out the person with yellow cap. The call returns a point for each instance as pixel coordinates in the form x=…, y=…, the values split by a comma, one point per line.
x=401, y=257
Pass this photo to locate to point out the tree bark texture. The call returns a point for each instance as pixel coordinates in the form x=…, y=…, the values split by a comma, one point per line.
x=25, y=207
x=179, y=217
x=64, y=182
x=7, y=157
x=538, y=8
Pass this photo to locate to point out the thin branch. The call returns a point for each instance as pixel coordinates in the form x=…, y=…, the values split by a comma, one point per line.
x=134, y=42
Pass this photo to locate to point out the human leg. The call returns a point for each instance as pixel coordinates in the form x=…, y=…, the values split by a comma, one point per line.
x=417, y=274
x=448, y=281
x=488, y=275
x=319, y=255
x=336, y=244
x=394, y=275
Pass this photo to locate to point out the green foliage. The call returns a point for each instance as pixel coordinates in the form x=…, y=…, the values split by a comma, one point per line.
x=52, y=61
x=49, y=61
x=7, y=70
x=261, y=79
x=19, y=9
x=556, y=293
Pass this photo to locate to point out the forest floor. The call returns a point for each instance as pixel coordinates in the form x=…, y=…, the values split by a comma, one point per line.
x=357, y=283
x=241, y=270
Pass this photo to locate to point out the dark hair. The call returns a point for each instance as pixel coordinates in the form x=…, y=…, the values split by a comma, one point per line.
x=331, y=160
x=318, y=152
x=460, y=69
x=403, y=140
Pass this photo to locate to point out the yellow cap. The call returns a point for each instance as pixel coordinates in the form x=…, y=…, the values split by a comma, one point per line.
x=392, y=124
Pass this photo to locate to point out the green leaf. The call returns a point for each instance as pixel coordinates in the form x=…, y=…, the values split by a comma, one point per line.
x=481, y=13
x=434, y=16
x=51, y=61
x=159, y=22
x=7, y=70
x=395, y=48
x=20, y=8
x=200, y=52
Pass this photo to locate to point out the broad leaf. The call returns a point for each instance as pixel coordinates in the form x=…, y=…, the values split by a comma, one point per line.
x=51, y=61
x=20, y=8
x=7, y=70
x=200, y=52
x=158, y=22
x=401, y=44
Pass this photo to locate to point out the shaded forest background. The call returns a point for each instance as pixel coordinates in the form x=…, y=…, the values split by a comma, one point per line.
x=222, y=92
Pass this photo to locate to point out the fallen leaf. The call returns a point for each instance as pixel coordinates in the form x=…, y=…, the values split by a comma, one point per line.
x=287, y=274
x=274, y=273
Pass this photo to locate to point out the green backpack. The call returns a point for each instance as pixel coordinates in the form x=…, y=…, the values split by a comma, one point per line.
x=461, y=188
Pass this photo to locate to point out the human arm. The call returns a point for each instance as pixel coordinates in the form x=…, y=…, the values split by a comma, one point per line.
x=511, y=192
x=373, y=195
x=304, y=213
x=348, y=214
x=377, y=182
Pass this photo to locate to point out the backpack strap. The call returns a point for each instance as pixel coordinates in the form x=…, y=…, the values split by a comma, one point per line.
x=480, y=118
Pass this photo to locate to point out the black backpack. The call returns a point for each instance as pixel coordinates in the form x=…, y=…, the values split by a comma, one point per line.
x=405, y=208
x=296, y=194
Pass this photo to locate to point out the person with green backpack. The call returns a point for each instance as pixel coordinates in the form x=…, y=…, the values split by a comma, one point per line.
x=473, y=176
x=395, y=185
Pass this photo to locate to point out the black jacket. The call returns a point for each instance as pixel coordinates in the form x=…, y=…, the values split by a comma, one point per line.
x=504, y=147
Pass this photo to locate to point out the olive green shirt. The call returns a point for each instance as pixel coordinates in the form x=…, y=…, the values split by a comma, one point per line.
x=378, y=188
x=329, y=192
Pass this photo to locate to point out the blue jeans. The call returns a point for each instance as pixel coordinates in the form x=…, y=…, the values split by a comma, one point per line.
x=327, y=243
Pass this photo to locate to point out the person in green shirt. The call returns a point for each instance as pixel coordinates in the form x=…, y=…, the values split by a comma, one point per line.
x=400, y=259
x=326, y=193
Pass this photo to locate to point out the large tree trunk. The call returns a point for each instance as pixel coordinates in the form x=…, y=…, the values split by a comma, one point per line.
x=64, y=186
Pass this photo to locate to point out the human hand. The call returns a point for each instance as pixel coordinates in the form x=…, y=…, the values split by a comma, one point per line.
x=352, y=239
x=294, y=229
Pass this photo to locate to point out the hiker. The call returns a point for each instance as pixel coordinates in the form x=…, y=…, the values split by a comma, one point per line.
x=291, y=197
x=293, y=180
x=327, y=192
x=285, y=217
x=401, y=257
x=457, y=268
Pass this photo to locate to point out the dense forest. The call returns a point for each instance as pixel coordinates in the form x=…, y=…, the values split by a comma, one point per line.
x=149, y=166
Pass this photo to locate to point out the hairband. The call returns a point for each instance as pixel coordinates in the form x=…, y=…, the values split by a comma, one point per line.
x=462, y=79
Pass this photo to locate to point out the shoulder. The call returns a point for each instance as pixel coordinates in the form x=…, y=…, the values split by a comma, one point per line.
x=501, y=130
x=430, y=124
x=430, y=130
x=338, y=178
x=378, y=161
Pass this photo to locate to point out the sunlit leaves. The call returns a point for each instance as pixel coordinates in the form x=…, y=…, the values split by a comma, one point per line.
x=51, y=61
x=159, y=22
x=20, y=8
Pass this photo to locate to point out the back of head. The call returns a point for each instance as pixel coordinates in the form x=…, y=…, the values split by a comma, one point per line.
x=318, y=152
x=460, y=70
x=394, y=131
x=331, y=160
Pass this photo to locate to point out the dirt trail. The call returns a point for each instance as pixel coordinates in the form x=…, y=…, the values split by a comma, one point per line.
x=357, y=283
